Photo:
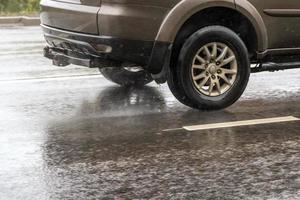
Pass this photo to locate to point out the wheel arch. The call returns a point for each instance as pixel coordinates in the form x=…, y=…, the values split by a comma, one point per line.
x=184, y=10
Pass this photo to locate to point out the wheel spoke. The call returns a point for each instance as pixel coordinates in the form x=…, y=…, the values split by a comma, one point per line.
x=200, y=76
x=203, y=82
x=207, y=52
x=223, y=54
x=218, y=86
x=229, y=71
x=199, y=66
x=227, y=61
x=225, y=79
x=214, y=51
x=200, y=59
x=211, y=87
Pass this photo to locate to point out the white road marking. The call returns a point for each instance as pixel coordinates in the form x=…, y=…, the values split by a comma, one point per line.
x=54, y=78
x=241, y=123
x=20, y=52
x=172, y=129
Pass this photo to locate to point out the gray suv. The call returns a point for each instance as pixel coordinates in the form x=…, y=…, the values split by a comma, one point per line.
x=203, y=48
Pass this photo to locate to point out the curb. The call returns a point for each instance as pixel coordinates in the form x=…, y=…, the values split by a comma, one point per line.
x=20, y=20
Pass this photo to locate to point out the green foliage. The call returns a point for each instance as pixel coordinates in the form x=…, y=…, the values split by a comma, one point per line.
x=19, y=6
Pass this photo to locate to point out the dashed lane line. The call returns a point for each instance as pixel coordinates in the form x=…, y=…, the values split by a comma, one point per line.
x=236, y=124
x=6, y=53
x=51, y=78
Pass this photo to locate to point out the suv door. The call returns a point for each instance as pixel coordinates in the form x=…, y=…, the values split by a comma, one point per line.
x=282, y=19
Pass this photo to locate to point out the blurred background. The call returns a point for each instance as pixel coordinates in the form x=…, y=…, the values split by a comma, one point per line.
x=17, y=7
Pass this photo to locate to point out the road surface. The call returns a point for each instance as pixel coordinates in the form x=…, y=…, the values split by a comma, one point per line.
x=67, y=133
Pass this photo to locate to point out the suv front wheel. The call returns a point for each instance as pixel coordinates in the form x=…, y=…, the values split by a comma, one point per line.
x=212, y=71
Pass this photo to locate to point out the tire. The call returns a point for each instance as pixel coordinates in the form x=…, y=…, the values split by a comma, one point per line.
x=177, y=91
x=223, y=83
x=126, y=78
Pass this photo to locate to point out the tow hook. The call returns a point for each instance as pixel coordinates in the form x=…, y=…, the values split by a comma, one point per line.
x=57, y=59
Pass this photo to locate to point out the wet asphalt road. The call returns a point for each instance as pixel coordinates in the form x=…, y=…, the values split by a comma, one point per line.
x=67, y=133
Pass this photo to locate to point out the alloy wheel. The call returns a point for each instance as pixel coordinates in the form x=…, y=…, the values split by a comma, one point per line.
x=214, y=69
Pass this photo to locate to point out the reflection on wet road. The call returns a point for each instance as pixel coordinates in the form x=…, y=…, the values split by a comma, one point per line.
x=80, y=137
